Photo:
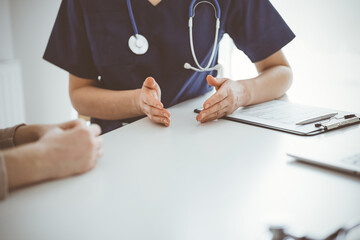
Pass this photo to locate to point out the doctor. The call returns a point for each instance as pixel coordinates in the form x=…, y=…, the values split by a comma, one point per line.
x=128, y=59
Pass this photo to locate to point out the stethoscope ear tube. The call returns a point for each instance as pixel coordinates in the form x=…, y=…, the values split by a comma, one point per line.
x=217, y=27
x=199, y=68
x=217, y=8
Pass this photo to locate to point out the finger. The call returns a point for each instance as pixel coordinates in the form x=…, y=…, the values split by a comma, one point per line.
x=215, y=82
x=158, y=116
x=95, y=129
x=150, y=83
x=215, y=115
x=98, y=155
x=151, y=101
x=72, y=124
x=92, y=163
x=213, y=109
x=99, y=143
x=149, y=110
x=219, y=96
x=158, y=119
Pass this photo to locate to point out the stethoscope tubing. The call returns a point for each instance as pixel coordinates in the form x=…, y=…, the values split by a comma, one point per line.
x=132, y=18
x=134, y=39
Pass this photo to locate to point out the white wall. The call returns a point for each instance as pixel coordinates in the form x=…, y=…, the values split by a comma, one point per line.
x=45, y=86
x=6, y=46
x=325, y=53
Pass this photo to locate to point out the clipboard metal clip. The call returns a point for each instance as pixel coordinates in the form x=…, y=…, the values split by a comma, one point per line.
x=345, y=122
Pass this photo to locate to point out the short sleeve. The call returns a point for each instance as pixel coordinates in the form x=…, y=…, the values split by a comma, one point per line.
x=257, y=28
x=68, y=46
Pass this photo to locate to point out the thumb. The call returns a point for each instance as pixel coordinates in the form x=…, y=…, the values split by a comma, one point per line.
x=72, y=124
x=150, y=83
x=95, y=129
x=215, y=82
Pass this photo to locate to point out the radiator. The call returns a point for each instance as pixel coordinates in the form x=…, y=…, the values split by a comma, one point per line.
x=11, y=94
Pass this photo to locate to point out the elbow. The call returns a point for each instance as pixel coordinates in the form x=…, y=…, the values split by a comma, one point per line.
x=289, y=77
x=75, y=99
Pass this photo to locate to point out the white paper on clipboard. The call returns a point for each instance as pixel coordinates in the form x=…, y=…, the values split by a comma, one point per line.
x=282, y=115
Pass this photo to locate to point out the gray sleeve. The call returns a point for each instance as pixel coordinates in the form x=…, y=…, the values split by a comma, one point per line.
x=3, y=178
x=6, y=141
x=7, y=136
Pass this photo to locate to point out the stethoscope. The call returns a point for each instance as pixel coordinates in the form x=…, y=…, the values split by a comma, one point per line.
x=139, y=45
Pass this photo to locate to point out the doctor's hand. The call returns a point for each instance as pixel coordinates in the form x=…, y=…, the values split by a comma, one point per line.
x=150, y=102
x=229, y=96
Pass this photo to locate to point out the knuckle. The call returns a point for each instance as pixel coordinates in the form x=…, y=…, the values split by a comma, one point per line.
x=156, y=119
x=83, y=132
x=153, y=111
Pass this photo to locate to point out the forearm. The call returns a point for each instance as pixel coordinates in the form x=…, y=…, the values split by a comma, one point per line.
x=25, y=165
x=106, y=104
x=270, y=84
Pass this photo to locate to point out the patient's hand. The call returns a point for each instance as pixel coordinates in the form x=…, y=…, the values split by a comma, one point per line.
x=63, y=150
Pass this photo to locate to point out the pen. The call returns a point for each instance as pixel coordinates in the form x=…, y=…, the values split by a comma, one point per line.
x=316, y=119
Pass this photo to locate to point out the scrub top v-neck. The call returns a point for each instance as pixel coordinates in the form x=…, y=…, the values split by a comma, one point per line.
x=90, y=40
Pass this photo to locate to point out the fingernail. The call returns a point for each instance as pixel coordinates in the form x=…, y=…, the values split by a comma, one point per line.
x=158, y=106
x=207, y=106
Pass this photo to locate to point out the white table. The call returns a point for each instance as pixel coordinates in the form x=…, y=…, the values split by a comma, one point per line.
x=220, y=180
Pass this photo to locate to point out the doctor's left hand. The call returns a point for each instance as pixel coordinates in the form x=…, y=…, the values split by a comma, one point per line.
x=229, y=96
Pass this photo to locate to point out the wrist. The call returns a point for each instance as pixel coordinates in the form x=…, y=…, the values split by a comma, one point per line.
x=42, y=161
x=29, y=133
x=246, y=92
x=136, y=102
x=25, y=165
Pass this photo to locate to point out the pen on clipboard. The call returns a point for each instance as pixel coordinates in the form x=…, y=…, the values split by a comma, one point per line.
x=316, y=119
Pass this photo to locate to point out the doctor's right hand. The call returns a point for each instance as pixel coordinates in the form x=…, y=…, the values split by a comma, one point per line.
x=150, y=102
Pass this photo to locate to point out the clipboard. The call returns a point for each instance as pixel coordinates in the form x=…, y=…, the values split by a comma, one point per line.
x=283, y=116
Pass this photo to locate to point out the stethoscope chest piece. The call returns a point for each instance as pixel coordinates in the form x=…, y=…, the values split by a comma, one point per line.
x=138, y=44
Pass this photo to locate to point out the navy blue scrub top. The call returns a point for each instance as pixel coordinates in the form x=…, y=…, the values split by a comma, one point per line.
x=90, y=40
